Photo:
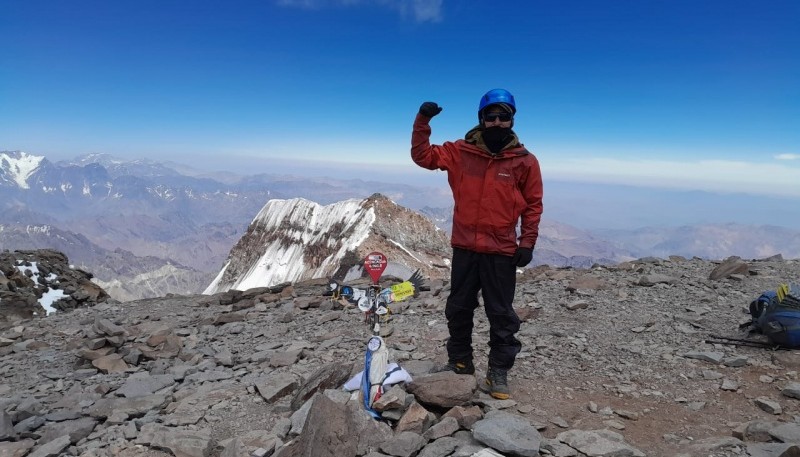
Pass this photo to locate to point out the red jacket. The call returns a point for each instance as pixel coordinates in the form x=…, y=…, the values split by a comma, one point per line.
x=491, y=193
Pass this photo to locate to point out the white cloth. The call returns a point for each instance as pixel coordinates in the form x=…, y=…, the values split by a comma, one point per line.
x=395, y=377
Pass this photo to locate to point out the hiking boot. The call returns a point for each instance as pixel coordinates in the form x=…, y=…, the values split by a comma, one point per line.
x=457, y=367
x=496, y=383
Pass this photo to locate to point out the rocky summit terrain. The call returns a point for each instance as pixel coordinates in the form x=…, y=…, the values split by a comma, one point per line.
x=35, y=282
x=615, y=363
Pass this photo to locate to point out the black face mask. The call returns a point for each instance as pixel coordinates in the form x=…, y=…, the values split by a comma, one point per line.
x=496, y=138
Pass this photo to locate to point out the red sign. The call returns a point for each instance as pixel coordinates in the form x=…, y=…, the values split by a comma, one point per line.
x=375, y=263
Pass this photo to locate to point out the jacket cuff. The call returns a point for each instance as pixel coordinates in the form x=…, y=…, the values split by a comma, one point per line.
x=422, y=119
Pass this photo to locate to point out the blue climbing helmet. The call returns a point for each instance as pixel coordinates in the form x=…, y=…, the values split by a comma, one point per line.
x=496, y=96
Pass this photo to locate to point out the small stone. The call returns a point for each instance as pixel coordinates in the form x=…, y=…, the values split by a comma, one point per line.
x=614, y=424
x=696, y=405
x=768, y=405
x=712, y=375
x=525, y=409
x=735, y=362
x=559, y=421
x=709, y=356
x=729, y=384
x=792, y=390
x=630, y=415
x=579, y=304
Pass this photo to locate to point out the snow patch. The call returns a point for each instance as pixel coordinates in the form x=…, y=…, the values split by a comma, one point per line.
x=20, y=168
x=37, y=229
x=49, y=296
x=405, y=250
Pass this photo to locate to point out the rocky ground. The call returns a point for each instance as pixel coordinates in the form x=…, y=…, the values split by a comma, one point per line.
x=614, y=363
x=29, y=278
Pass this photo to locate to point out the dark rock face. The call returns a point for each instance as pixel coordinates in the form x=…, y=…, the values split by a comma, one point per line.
x=30, y=281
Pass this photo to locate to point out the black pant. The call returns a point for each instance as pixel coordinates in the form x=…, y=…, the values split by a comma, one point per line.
x=495, y=277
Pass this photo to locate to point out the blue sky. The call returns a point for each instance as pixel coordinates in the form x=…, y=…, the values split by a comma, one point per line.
x=678, y=94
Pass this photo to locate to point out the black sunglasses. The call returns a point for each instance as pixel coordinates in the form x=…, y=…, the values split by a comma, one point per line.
x=491, y=117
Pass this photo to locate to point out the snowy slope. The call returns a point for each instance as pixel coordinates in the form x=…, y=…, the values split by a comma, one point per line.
x=16, y=167
x=294, y=239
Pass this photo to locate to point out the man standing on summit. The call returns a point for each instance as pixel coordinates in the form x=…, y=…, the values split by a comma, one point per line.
x=495, y=182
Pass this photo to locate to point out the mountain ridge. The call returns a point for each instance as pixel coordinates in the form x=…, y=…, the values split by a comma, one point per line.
x=160, y=216
x=297, y=239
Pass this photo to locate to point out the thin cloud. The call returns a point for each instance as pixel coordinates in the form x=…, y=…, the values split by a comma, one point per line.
x=425, y=10
x=788, y=156
x=420, y=10
x=307, y=4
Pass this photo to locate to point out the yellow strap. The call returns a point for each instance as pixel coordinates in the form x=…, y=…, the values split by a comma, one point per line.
x=783, y=291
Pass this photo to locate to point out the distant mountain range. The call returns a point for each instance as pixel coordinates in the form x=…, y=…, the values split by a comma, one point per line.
x=708, y=241
x=146, y=227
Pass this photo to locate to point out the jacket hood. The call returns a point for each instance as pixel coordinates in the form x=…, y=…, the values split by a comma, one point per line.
x=475, y=137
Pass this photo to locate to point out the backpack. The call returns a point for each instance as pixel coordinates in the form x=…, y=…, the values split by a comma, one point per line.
x=776, y=314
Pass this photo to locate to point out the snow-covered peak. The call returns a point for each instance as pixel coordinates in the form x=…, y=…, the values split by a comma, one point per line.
x=294, y=239
x=310, y=217
x=18, y=166
x=101, y=158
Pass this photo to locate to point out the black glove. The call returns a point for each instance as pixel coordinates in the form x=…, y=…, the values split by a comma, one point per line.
x=522, y=257
x=429, y=109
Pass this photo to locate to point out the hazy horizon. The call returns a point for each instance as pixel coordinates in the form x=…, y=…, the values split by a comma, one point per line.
x=636, y=220
x=585, y=205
